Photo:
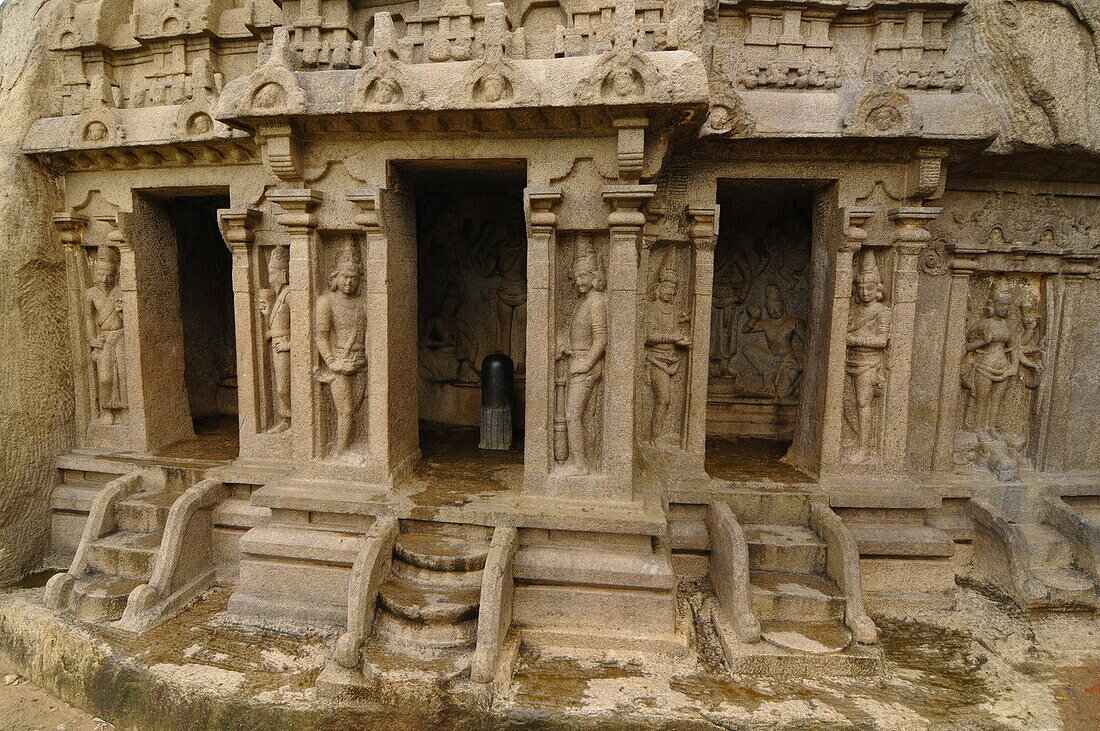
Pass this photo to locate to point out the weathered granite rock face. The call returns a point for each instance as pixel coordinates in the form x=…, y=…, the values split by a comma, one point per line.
x=35, y=382
x=1039, y=63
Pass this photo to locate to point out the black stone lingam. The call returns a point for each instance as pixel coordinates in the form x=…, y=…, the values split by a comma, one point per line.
x=497, y=394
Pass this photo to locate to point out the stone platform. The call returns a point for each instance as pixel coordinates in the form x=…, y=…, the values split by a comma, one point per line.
x=966, y=668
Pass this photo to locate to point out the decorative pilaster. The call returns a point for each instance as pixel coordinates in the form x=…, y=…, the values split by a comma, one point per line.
x=541, y=430
x=253, y=399
x=703, y=231
x=390, y=279
x=910, y=236
x=1052, y=452
x=855, y=236
x=70, y=228
x=300, y=225
x=625, y=222
x=963, y=265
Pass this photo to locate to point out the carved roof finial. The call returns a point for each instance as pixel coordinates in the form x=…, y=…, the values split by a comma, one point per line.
x=494, y=33
x=385, y=37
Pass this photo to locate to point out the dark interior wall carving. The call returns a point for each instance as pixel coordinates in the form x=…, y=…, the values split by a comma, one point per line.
x=761, y=298
x=206, y=305
x=472, y=287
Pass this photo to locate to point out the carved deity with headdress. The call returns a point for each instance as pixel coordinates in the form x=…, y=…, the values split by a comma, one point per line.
x=869, y=323
x=105, y=330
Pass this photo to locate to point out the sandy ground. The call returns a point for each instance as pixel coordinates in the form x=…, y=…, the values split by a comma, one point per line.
x=26, y=707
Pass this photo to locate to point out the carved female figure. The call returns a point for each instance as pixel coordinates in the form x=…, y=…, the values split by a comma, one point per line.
x=104, y=327
x=276, y=311
x=868, y=335
x=664, y=342
x=995, y=361
x=587, y=343
x=341, y=325
x=448, y=345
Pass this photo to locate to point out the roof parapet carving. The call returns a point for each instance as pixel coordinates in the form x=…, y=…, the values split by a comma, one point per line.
x=272, y=90
x=623, y=74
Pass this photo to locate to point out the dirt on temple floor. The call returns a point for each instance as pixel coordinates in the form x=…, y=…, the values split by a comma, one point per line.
x=985, y=665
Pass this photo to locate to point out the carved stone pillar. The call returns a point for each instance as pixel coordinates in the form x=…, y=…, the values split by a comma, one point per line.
x=540, y=428
x=71, y=233
x=253, y=357
x=390, y=280
x=855, y=236
x=910, y=236
x=963, y=265
x=300, y=224
x=625, y=221
x=703, y=231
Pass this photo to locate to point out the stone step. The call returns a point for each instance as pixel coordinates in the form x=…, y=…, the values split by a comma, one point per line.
x=789, y=548
x=146, y=512
x=1046, y=547
x=428, y=602
x=811, y=638
x=440, y=552
x=1067, y=579
x=422, y=639
x=957, y=526
x=901, y=540
x=125, y=554
x=781, y=596
x=101, y=597
x=453, y=579
x=403, y=667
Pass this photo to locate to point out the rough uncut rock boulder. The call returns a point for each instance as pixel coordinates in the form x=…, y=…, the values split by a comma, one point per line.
x=36, y=402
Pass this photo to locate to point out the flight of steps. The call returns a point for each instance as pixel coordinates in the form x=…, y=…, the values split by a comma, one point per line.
x=799, y=608
x=122, y=560
x=1052, y=562
x=426, y=616
x=79, y=480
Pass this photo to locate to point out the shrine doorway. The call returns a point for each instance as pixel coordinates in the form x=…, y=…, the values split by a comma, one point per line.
x=759, y=329
x=471, y=298
x=204, y=266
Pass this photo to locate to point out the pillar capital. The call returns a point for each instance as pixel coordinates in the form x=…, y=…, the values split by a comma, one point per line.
x=71, y=227
x=910, y=234
x=702, y=228
x=298, y=204
x=626, y=203
x=237, y=226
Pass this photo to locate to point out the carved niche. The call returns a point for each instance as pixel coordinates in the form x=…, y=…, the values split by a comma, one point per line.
x=868, y=335
x=580, y=355
x=105, y=329
x=667, y=341
x=472, y=295
x=758, y=336
x=1000, y=373
x=340, y=332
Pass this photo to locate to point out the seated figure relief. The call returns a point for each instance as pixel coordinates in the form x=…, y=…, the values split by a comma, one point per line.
x=448, y=345
x=778, y=360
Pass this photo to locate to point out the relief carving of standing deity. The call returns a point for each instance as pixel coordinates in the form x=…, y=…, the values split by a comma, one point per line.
x=1003, y=353
x=665, y=340
x=341, y=327
x=869, y=323
x=105, y=330
x=584, y=354
x=276, y=318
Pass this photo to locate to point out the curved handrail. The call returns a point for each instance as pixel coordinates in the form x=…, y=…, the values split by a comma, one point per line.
x=729, y=571
x=139, y=605
x=495, y=610
x=1023, y=585
x=371, y=567
x=842, y=565
x=100, y=522
x=1085, y=534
